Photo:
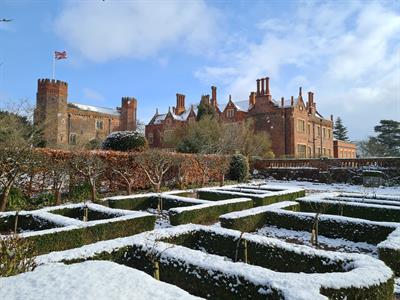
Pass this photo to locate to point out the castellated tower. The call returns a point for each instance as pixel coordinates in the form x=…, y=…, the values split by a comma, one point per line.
x=128, y=114
x=51, y=111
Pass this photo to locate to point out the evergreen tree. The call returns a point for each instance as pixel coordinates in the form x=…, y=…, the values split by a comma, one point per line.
x=340, y=131
x=388, y=135
x=205, y=109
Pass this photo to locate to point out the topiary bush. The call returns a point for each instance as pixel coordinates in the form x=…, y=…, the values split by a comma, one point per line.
x=239, y=168
x=125, y=141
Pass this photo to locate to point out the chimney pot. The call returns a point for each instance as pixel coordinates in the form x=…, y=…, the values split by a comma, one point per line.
x=258, y=86
x=282, y=102
x=267, y=85
x=299, y=91
x=262, y=86
x=291, y=101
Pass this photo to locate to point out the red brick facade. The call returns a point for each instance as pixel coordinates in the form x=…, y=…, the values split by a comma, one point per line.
x=343, y=149
x=294, y=125
x=67, y=124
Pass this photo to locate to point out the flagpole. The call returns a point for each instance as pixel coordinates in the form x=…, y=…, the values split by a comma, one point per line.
x=54, y=65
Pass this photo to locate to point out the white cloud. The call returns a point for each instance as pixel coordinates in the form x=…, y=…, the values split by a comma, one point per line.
x=346, y=52
x=92, y=95
x=107, y=30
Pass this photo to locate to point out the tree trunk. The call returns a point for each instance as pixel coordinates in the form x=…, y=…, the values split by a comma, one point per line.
x=57, y=196
x=129, y=188
x=222, y=182
x=157, y=187
x=4, y=197
x=93, y=185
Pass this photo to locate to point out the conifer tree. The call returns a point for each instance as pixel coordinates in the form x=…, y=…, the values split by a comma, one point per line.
x=388, y=135
x=340, y=131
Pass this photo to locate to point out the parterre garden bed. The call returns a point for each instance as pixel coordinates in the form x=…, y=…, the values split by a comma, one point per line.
x=218, y=263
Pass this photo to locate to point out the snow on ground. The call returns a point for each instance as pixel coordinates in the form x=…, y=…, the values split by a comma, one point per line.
x=162, y=220
x=334, y=187
x=325, y=243
x=95, y=280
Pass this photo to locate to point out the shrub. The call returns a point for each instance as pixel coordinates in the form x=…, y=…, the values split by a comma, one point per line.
x=239, y=168
x=15, y=256
x=80, y=192
x=124, y=141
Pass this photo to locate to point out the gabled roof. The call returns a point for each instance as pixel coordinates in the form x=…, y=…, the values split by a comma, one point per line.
x=98, y=109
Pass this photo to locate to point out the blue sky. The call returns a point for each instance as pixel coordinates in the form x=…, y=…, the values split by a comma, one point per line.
x=347, y=52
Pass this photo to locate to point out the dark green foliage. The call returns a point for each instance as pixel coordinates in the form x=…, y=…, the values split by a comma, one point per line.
x=206, y=215
x=239, y=168
x=93, y=144
x=372, y=213
x=78, y=237
x=125, y=141
x=205, y=109
x=215, y=195
x=19, y=201
x=25, y=223
x=388, y=135
x=78, y=213
x=80, y=192
x=340, y=131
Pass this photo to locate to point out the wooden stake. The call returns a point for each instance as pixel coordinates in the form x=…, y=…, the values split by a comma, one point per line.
x=16, y=222
x=245, y=251
x=156, y=267
x=85, y=214
x=312, y=237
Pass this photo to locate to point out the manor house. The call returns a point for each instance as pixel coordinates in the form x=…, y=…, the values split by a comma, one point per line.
x=65, y=123
x=295, y=126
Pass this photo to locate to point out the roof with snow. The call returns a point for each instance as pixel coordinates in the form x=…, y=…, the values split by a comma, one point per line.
x=98, y=109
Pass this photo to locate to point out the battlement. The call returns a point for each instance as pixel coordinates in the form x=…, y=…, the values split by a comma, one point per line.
x=128, y=100
x=52, y=86
x=46, y=81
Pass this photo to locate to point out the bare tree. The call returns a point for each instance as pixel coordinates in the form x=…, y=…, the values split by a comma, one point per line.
x=89, y=165
x=125, y=166
x=155, y=164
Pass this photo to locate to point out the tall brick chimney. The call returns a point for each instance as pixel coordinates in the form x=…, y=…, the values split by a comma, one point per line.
x=180, y=104
x=282, y=102
x=258, y=87
x=252, y=98
x=291, y=101
x=214, y=102
x=310, y=101
x=262, y=87
x=267, y=86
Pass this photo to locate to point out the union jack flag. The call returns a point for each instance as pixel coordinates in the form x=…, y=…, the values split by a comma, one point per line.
x=60, y=55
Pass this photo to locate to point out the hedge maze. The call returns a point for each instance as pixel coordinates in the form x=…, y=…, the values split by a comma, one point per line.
x=228, y=250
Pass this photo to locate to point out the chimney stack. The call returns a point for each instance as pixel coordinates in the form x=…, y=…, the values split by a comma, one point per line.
x=258, y=87
x=180, y=104
x=291, y=101
x=332, y=118
x=252, y=99
x=310, y=98
x=267, y=86
x=214, y=96
x=262, y=87
x=300, y=96
x=282, y=102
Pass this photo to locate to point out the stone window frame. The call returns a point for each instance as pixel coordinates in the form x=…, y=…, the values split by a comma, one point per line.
x=303, y=152
x=72, y=139
x=301, y=128
x=230, y=113
x=150, y=138
x=99, y=124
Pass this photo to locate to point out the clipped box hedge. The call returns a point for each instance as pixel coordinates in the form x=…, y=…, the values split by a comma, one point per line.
x=261, y=194
x=201, y=260
x=70, y=233
x=287, y=215
x=152, y=200
x=207, y=213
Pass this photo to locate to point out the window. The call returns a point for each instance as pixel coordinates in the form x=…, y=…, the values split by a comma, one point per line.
x=301, y=150
x=72, y=139
x=309, y=128
x=329, y=153
x=318, y=131
x=301, y=125
x=324, y=132
x=99, y=124
x=324, y=151
x=150, y=138
x=309, y=152
x=329, y=133
x=319, y=151
x=230, y=113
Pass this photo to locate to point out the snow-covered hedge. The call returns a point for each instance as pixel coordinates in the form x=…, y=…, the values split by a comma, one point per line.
x=261, y=194
x=387, y=210
x=208, y=212
x=386, y=235
x=125, y=141
x=54, y=232
x=201, y=260
x=151, y=200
